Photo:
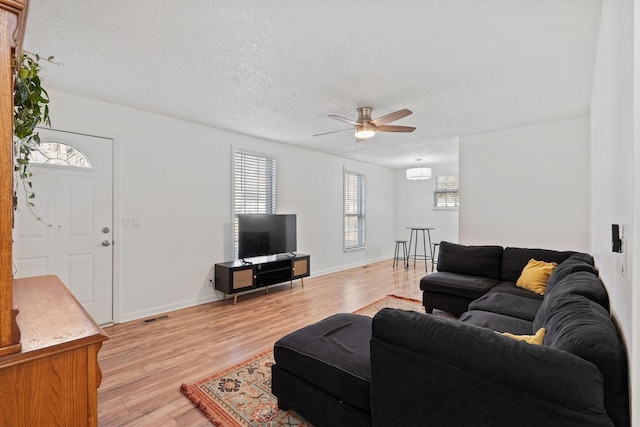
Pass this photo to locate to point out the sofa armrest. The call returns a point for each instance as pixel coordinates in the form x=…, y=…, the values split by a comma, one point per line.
x=445, y=372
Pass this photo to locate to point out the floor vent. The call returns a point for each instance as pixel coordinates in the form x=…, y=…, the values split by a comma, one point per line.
x=154, y=319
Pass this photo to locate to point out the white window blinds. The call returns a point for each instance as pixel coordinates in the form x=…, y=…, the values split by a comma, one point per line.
x=254, y=186
x=354, y=210
x=446, y=191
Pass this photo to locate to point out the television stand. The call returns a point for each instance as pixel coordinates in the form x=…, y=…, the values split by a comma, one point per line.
x=243, y=275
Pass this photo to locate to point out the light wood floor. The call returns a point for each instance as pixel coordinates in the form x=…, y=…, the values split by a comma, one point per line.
x=143, y=365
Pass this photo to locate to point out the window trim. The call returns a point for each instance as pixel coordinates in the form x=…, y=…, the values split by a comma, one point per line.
x=362, y=210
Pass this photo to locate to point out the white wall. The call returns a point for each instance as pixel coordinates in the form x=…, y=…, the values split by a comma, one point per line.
x=414, y=206
x=527, y=187
x=176, y=177
x=615, y=200
x=635, y=236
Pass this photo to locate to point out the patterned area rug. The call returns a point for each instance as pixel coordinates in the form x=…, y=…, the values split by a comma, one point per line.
x=241, y=395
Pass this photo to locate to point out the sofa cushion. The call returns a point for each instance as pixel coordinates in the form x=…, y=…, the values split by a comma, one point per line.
x=581, y=283
x=332, y=355
x=511, y=288
x=497, y=322
x=456, y=284
x=427, y=370
x=583, y=257
x=515, y=259
x=576, y=262
x=482, y=261
x=507, y=304
x=583, y=327
x=535, y=274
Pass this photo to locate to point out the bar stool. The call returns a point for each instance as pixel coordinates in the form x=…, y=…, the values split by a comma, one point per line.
x=425, y=256
x=436, y=247
x=405, y=254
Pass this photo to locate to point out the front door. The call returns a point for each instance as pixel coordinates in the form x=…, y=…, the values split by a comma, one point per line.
x=73, y=182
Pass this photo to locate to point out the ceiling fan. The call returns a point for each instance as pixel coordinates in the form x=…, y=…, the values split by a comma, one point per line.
x=365, y=127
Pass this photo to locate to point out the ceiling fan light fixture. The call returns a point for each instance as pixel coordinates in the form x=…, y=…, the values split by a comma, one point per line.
x=365, y=131
x=365, y=127
x=419, y=173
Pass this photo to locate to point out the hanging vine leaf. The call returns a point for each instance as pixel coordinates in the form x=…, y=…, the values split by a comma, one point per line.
x=30, y=108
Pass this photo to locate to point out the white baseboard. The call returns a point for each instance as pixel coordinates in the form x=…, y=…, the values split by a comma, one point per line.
x=154, y=311
x=216, y=296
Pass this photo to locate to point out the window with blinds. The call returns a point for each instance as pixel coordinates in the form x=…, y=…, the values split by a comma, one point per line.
x=446, y=191
x=254, y=187
x=354, y=210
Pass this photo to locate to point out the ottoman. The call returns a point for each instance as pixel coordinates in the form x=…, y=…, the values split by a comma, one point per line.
x=322, y=371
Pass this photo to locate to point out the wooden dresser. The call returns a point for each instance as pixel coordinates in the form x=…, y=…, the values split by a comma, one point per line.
x=49, y=374
x=54, y=379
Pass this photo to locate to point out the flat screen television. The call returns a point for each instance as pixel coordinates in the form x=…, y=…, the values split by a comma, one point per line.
x=266, y=234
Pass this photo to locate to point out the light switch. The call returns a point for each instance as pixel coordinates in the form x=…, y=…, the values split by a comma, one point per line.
x=137, y=223
x=127, y=223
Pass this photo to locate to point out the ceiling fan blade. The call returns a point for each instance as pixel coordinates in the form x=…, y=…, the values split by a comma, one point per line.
x=392, y=128
x=397, y=115
x=333, y=131
x=344, y=119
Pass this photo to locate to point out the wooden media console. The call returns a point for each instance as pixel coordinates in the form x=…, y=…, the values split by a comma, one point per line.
x=260, y=272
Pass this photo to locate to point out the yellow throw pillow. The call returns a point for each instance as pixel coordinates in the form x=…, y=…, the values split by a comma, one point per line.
x=538, y=338
x=535, y=274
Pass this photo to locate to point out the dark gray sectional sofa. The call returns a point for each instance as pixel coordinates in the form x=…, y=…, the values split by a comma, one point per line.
x=409, y=368
x=466, y=273
x=574, y=310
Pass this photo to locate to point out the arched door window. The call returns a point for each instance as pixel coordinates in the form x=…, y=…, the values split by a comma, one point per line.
x=58, y=153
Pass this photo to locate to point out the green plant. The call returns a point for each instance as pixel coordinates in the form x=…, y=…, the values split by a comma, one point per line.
x=30, y=108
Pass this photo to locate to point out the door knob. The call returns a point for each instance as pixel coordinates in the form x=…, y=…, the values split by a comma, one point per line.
x=106, y=230
x=106, y=243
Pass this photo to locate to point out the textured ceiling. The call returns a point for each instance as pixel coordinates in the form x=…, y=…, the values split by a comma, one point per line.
x=275, y=69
